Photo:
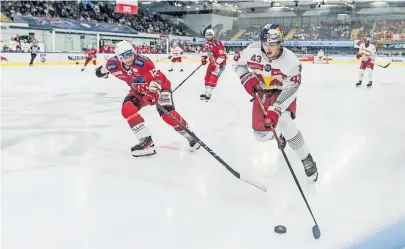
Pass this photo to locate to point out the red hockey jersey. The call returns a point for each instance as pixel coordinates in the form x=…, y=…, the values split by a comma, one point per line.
x=139, y=76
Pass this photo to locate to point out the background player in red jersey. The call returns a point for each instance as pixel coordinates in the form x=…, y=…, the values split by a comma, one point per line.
x=91, y=54
x=215, y=54
x=110, y=49
x=148, y=86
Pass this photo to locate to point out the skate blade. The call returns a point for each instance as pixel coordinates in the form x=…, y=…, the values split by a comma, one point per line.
x=314, y=177
x=195, y=147
x=145, y=155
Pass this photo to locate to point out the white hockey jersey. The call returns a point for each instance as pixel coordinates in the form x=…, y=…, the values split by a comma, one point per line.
x=368, y=53
x=321, y=53
x=283, y=74
x=25, y=47
x=176, y=52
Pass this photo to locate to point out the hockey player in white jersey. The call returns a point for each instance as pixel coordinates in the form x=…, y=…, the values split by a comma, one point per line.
x=273, y=72
x=176, y=56
x=321, y=57
x=367, y=54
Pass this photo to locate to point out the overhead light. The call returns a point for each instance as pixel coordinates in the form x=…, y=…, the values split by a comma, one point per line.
x=179, y=5
x=197, y=8
x=188, y=7
x=239, y=11
x=234, y=10
x=146, y=2
x=226, y=3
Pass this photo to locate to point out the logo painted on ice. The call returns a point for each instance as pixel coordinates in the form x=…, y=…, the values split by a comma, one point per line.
x=267, y=68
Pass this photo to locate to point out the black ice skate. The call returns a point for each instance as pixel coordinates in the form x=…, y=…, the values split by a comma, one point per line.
x=181, y=70
x=358, y=83
x=194, y=144
x=171, y=70
x=205, y=97
x=310, y=168
x=370, y=83
x=144, y=148
x=191, y=141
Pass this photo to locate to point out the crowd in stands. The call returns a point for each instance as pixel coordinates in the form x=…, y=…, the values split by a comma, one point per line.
x=91, y=11
x=391, y=29
x=324, y=31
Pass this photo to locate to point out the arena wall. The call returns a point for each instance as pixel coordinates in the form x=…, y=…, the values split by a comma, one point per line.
x=54, y=59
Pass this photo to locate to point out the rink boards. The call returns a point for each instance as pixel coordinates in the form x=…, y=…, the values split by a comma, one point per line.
x=22, y=59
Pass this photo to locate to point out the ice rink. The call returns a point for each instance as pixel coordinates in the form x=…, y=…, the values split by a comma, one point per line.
x=69, y=180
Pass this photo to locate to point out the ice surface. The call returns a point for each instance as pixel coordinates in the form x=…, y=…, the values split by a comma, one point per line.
x=69, y=180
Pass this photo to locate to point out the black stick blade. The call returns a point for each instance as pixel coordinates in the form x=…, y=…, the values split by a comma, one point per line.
x=316, y=232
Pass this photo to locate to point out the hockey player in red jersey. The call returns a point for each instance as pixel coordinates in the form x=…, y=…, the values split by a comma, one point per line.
x=91, y=54
x=148, y=86
x=215, y=55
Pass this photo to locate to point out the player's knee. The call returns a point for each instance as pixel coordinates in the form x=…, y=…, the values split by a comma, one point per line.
x=130, y=113
x=263, y=136
x=167, y=108
x=287, y=125
x=212, y=80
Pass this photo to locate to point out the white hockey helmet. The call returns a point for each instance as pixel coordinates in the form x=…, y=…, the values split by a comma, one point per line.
x=209, y=32
x=123, y=49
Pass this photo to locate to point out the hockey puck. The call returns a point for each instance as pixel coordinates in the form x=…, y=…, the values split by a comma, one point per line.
x=280, y=229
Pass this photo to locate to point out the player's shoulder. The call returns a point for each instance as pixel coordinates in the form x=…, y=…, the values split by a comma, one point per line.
x=289, y=62
x=140, y=57
x=219, y=42
x=288, y=56
x=142, y=61
x=112, y=63
x=253, y=48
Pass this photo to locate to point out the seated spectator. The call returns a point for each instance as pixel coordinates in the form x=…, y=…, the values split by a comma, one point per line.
x=93, y=11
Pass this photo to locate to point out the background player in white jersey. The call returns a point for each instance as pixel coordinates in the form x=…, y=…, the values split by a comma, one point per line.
x=321, y=56
x=273, y=72
x=176, y=55
x=367, y=54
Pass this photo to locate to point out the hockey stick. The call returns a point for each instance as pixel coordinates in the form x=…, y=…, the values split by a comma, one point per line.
x=315, y=229
x=229, y=168
x=187, y=78
x=385, y=65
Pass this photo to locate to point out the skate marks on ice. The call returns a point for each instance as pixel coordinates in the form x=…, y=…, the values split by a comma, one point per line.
x=75, y=121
